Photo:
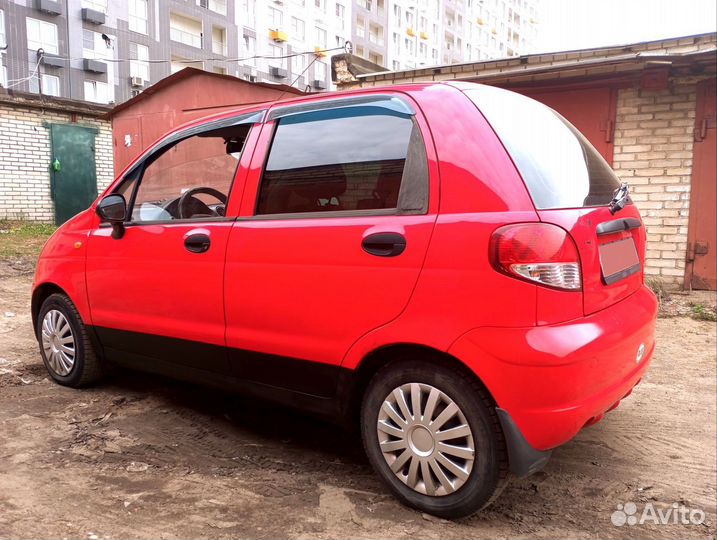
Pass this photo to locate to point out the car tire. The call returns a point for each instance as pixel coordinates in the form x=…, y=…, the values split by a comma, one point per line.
x=59, y=330
x=487, y=470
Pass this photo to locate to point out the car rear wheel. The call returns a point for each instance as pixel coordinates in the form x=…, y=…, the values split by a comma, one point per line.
x=432, y=434
x=64, y=343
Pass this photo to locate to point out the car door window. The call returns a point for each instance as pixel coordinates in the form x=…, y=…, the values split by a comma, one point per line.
x=342, y=160
x=190, y=179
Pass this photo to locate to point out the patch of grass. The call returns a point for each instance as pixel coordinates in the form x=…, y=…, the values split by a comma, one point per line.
x=658, y=287
x=23, y=238
x=702, y=312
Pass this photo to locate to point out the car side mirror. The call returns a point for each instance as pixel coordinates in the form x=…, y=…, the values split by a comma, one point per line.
x=113, y=209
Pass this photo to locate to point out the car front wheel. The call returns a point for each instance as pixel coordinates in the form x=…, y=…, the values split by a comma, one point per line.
x=432, y=434
x=64, y=343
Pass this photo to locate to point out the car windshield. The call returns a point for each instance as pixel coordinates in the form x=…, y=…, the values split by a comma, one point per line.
x=558, y=164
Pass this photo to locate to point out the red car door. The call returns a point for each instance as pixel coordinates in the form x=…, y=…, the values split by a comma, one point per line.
x=156, y=293
x=335, y=222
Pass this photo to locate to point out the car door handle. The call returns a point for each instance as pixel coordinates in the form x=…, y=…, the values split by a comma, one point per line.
x=384, y=244
x=197, y=243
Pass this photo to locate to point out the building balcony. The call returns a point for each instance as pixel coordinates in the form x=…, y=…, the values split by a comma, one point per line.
x=424, y=35
x=410, y=32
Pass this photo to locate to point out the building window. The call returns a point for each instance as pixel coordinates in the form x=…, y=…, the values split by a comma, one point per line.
x=96, y=91
x=185, y=30
x=97, y=5
x=340, y=13
x=397, y=13
x=321, y=37
x=360, y=26
x=219, y=40
x=375, y=34
x=138, y=16
x=249, y=45
x=298, y=64
x=218, y=6
x=340, y=42
x=50, y=85
x=298, y=29
x=320, y=70
x=276, y=18
x=41, y=35
x=2, y=29
x=375, y=58
x=277, y=53
x=395, y=66
x=139, y=65
x=320, y=5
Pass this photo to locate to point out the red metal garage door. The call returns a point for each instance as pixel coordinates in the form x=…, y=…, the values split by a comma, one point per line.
x=701, y=269
x=591, y=110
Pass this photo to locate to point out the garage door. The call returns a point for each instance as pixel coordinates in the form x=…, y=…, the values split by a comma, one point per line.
x=701, y=270
x=591, y=110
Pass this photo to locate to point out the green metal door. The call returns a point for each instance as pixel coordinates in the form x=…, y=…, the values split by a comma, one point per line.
x=72, y=169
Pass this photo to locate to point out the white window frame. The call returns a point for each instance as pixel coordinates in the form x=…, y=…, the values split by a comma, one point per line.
x=298, y=29
x=44, y=31
x=94, y=94
x=219, y=47
x=139, y=67
x=320, y=71
x=276, y=18
x=138, y=22
x=46, y=78
x=321, y=37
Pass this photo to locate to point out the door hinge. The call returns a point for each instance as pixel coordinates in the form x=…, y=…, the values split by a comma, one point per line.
x=696, y=248
x=708, y=122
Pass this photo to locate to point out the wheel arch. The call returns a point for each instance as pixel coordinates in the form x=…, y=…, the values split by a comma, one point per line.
x=373, y=361
x=39, y=295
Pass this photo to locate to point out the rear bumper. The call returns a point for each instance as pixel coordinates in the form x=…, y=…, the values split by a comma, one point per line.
x=554, y=380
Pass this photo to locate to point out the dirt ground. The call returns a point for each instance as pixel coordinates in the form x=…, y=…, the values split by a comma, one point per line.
x=144, y=457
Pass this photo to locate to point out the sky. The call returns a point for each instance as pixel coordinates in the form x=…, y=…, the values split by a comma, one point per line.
x=582, y=24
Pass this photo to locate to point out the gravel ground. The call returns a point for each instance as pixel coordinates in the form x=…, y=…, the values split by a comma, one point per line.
x=142, y=456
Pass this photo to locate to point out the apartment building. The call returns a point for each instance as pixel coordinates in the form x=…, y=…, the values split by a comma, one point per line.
x=107, y=51
x=409, y=34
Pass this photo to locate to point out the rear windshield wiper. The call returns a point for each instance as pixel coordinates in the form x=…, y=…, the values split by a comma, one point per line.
x=620, y=198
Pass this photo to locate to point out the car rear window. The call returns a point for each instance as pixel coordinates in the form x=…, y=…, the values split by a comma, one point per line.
x=558, y=164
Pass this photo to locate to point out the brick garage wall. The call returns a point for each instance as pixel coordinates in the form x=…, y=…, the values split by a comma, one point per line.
x=653, y=152
x=25, y=157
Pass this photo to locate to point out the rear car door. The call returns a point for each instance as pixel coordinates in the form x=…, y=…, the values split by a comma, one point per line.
x=156, y=293
x=335, y=222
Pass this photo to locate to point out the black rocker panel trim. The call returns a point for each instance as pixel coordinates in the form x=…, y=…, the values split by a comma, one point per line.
x=299, y=383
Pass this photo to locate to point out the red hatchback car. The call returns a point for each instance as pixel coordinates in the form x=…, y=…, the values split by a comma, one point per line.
x=453, y=267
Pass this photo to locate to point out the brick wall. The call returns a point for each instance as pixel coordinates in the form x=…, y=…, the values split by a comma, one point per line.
x=653, y=152
x=25, y=158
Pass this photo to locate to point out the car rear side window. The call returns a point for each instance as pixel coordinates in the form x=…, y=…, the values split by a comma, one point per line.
x=558, y=164
x=343, y=159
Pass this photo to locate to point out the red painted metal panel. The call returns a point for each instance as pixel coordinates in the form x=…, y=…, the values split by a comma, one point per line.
x=187, y=99
x=701, y=271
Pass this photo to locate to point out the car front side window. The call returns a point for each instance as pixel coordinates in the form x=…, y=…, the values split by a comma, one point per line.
x=190, y=179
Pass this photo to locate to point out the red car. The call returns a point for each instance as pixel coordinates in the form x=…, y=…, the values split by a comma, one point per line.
x=453, y=267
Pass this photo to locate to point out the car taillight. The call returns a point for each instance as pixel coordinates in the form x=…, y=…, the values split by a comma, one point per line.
x=537, y=252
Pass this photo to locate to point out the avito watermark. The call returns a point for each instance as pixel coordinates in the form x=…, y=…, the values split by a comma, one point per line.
x=676, y=514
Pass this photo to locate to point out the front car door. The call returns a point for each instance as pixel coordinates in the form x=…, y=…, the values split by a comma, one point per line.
x=335, y=222
x=156, y=293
